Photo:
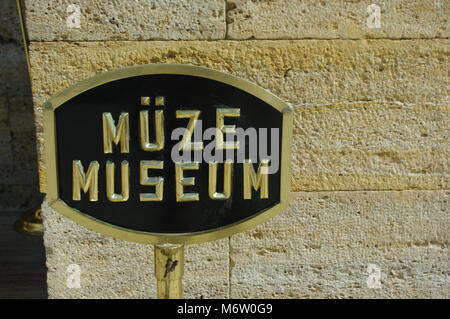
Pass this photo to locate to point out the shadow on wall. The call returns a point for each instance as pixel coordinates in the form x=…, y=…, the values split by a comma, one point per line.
x=19, y=186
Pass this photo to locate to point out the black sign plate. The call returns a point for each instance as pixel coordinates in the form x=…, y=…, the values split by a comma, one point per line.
x=80, y=119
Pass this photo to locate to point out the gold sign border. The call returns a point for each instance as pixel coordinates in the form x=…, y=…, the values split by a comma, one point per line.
x=107, y=229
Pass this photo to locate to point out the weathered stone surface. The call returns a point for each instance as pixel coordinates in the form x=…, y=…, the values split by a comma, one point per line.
x=46, y=20
x=13, y=64
x=367, y=143
x=112, y=268
x=301, y=72
x=18, y=172
x=9, y=23
x=6, y=161
x=6, y=154
x=41, y=164
x=18, y=154
x=322, y=246
x=21, y=119
x=397, y=138
x=341, y=19
x=5, y=134
x=15, y=197
x=207, y=270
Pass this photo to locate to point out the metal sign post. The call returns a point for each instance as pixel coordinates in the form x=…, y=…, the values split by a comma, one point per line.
x=169, y=270
x=167, y=155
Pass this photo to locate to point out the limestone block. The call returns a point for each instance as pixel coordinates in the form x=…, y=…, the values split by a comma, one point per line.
x=18, y=177
x=301, y=72
x=322, y=246
x=15, y=195
x=96, y=20
x=6, y=155
x=207, y=270
x=23, y=143
x=13, y=65
x=368, y=145
x=21, y=116
x=6, y=162
x=339, y=145
x=339, y=19
x=111, y=268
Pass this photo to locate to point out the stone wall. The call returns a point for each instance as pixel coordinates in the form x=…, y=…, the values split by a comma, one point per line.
x=18, y=156
x=370, y=183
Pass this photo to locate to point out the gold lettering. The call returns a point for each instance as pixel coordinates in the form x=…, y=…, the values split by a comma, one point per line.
x=159, y=131
x=159, y=101
x=181, y=181
x=257, y=181
x=111, y=133
x=151, y=181
x=186, y=143
x=145, y=100
x=125, y=173
x=227, y=178
x=86, y=183
x=222, y=129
